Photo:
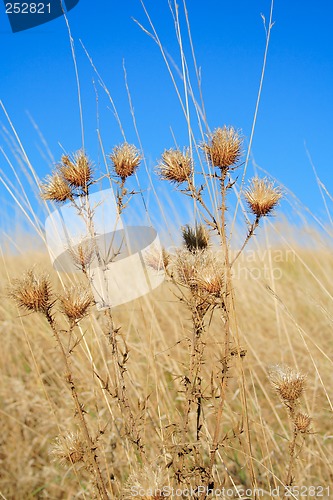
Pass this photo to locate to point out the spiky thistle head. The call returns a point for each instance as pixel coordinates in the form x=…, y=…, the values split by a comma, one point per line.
x=210, y=281
x=125, y=160
x=195, y=238
x=223, y=147
x=150, y=480
x=175, y=166
x=77, y=171
x=32, y=292
x=68, y=449
x=302, y=422
x=186, y=267
x=156, y=258
x=199, y=270
x=288, y=383
x=83, y=254
x=75, y=302
x=56, y=188
x=262, y=196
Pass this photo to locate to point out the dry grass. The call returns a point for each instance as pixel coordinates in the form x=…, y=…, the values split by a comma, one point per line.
x=287, y=320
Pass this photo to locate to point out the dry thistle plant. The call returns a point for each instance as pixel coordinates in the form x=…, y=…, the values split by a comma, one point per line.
x=203, y=279
x=56, y=188
x=71, y=182
x=77, y=172
x=208, y=279
x=33, y=292
x=175, y=166
x=290, y=385
x=75, y=303
x=262, y=197
x=224, y=148
x=68, y=449
x=196, y=238
x=125, y=160
x=149, y=483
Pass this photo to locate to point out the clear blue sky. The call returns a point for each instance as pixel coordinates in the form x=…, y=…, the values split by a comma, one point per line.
x=37, y=76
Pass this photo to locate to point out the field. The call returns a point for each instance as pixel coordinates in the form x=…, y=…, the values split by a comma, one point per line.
x=285, y=321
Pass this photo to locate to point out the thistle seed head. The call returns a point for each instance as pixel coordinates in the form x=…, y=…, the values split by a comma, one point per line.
x=211, y=281
x=150, y=480
x=32, y=292
x=56, y=188
x=186, y=267
x=125, y=158
x=196, y=238
x=75, y=302
x=77, y=172
x=302, y=422
x=175, y=166
x=83, y=255
x=156, y=258
x=288, y=383
x=200, y=272
x=223, y=148
x=68, y=449
x=262, y=196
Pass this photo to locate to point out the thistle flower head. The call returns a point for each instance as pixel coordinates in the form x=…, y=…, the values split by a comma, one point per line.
x=125, y=158
x=200, y=272
x=77, y=172
x=262, y=196
x=56, y=188
x=224, y=147
x=211, y=281
x=83, y=254
x=288, y=383
x=186, y=267
x=150, y=480
x=68, y=449
x=175, y=166
x=75, y=302
x=195, y=238
x=156, y=258
x=32, y=292
x=302, y=422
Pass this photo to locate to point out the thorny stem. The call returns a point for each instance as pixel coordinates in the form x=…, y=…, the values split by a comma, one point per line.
x=196, y=194
x=122, y=191
x=225, y=358
x=79, y=410
x=121, y=392
x=193, y=383
x=119, y=358
x=250, y=233
x=194, y=390
x=292, y=447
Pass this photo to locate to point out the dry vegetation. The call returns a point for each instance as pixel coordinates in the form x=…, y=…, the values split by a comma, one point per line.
x=217, y=384
x=292, y=327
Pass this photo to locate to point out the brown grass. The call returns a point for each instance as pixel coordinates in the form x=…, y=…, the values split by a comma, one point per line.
x=287, y=320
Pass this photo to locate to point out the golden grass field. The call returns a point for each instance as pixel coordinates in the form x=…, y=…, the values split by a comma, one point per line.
x=286, y=320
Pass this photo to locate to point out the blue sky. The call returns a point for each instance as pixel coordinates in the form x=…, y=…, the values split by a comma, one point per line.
x=38, y=78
